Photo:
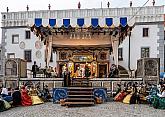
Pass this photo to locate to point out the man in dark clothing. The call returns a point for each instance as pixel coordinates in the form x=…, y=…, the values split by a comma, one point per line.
x=16, y=97
x=34, y=69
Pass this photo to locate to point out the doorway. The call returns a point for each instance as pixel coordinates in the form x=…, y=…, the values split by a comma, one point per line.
x=102, y=70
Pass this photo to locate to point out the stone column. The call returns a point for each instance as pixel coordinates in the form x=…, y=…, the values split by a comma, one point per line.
x=115, y=43
x=49, y=49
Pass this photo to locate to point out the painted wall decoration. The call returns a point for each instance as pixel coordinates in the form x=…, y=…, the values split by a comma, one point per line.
x=59, y=93
x=38, y=44
x=38, y=54
x=22, y=45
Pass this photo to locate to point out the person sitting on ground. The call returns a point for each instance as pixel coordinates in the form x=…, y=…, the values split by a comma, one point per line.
x=153, y=92
x=118, y=89
x=162, y=95
x=25, y=98
x=4, y=105
x=34, y=96
x=46, y=93
x=158, y=101
x=6, y=96
x=16, y=97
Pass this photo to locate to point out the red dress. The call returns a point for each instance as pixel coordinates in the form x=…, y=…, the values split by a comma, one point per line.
x=120, y=96
x=25, y=98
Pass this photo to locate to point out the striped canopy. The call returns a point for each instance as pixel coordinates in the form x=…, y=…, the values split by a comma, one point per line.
x=80, y=22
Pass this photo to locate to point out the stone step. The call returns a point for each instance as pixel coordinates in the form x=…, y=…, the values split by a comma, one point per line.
x=79, y=103
x=78, y=95
x=80, y=99
x=80, y=88
x=80, y=92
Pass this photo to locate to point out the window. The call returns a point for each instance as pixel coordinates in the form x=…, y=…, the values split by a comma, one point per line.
x=51, y=58
x=0, y=54
x=10, y=55
x=145, y=32
x=11, y=68
x=15, y=39
x=27, y=34
x=27, y=55
x=145, y=52
x=120, y=53
x=63, y=55
x=103, y=56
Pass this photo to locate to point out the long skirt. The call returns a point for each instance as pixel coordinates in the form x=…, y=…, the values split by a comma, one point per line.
x=36, y=100
x=127, y=99
x=26, y=100
x=120, y=96
x=158, y=102
x=7, y=105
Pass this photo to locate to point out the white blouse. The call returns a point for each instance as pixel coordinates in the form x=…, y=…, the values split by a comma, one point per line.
x=162, y=95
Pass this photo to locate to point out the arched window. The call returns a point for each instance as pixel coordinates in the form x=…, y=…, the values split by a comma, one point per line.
x=11, y=68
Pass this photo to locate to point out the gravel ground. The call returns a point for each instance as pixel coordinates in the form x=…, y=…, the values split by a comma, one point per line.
x=108, y=109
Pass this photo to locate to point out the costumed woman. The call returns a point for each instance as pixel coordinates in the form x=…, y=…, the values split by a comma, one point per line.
x=152, y=93
x=46, y=93
x=34, y=96
x=25, y=98
x=120, y=94
x=4, y=105
x=131, y=98
x=159, y=100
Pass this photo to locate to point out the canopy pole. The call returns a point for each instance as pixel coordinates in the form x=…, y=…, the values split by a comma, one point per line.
x=115, y=43
x=49, y=50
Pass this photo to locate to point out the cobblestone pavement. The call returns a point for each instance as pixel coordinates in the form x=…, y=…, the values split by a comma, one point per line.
x=108, y=109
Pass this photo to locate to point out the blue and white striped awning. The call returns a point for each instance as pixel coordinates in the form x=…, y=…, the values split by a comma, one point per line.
x=80, y=22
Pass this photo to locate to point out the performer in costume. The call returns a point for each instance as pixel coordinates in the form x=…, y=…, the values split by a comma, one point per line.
x=4, y=105
x=159, y=100
x=35, y=98
x=131, y=98
x=120, y=96
x=25, y=98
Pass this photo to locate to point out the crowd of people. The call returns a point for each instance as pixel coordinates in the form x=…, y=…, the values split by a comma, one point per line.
x=134, y=93
x=23, y=96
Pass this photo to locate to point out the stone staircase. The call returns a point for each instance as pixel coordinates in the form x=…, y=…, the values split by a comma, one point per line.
x=123, y=73
x=80, y=82
x=79, y=96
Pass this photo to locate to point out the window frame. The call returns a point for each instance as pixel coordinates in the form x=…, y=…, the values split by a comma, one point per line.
x=9, y=54
x=120, y=58
x=0, y=54
x=145, y=52
x=13, y=40
x=30, y=55
x=26, y=37
x=144, y=32
x=51, y=58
